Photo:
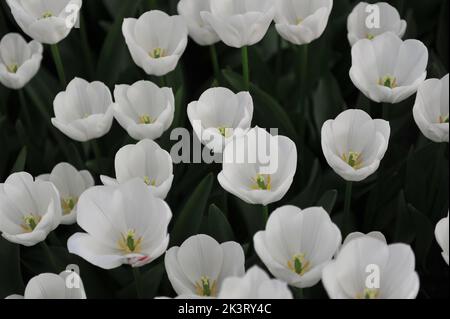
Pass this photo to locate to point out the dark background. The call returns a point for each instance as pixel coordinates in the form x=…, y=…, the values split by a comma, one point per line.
x=405, y=198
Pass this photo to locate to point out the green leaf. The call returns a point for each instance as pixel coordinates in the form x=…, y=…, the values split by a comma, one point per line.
x=150, y=281
x=112, y=55
x=218, y=225
x=189, y=220
x=19, y=165
x=265, y=105
x=10, y=274
x=308, y=196
x=328, y=200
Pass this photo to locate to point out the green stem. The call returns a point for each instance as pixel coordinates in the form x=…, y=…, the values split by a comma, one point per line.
x=50, y=257
x=386, y=111
x=59, y=65
x=215, y=62
x=137, y=282
x=24, y=108
x=245, y=68
x=96, y=150
x=347, y=216
x=303, y=73
x=152, y=4
x=298, y=293
x=85, y=47
x=265, y=212
x=279, y=60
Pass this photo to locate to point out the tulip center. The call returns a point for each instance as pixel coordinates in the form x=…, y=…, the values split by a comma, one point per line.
x=30, y=222
x=146, y=119
x=299, y=264
x=370, y=36
x=149, y=181
x=68, y=204
x=225, y=131
x=299, y=21
x=354, y=159
x=443, y=119
x=12, y=68
x=388, y=81
x=158, y=53
x=128, y=242
x=46, y=14
x=262, y=182
x=206, y=287
x=369, y=294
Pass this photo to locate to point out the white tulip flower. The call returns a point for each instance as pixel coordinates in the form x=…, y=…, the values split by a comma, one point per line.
x=302, y=21
x=199, y=266
x=146, y=161
x=84, y=111
x=441, y=233
x=259, y=168
x=70, y=183
x=143, y=109
x=219, y=116
x=156, y=41
x=431, y=109
x=199, y=31
x=29, y=209
x=355, y=235
x=48, y=22
x=387, y=69
x=124, y=224
x=297, y=244
x=385, y=19
x=240, y=23
x=19, y=60
x=255, y=284
x=53, y=286
x=354, y=144
x=368, y=268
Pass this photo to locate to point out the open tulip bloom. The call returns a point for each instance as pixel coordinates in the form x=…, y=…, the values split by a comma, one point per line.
x=442, y=236
x=297, y=244
x=258, y=180
x=83, y=112
x=368, y=268
x=53, y=286
x=302, y=21
x=48, y=22
x=240, y=23
x=255, y=284
x=29, y=209
x=354, y=144
x=387, y=69
x=19, y=60
x=156, y=41
x=431, y=109
x=143, y=109
x=70, y=183
x=125, y=224
x=200, y=265
x=146, y=161
x=389, y=21
x=219, y=116
x=199, y=31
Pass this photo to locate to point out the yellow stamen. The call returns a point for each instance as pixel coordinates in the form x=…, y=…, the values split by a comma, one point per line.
x=46, y=15
x=262, y=182
x=369, y=294
x=68, y=204
x=388, y=81
x=443, y=119
x=128, y=242
x=12, y=68
x=354, y=159
x=299, y=264
x=149, y=182
x=205, y=287
x=299, y=21
x=225, y=131
x=158, y=53
x=145, y=119
x=30, y=223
